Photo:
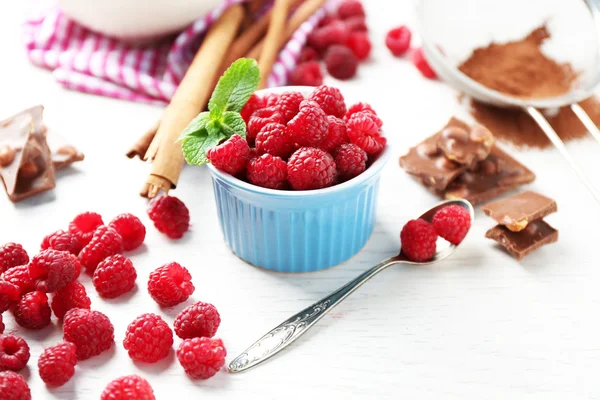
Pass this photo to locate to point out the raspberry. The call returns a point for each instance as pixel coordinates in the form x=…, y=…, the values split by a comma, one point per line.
x=52, y=270
x=360, y=45
x=12, y=255
x=32, y=310
x=170, y=216
x=354, y=108
x=114, y=276
x=14, y=353
x=309, y=126
x=306, y=74
x=259, y=119
x=289, y=104
x=91, y=331
x=71, y=296
x=131, y=230
x=310, y=168
x=350, y=161
x=18, y=276
x=271, y=100
x=398, y=40
x=9, y=293
x=356, y=24
x=105, y=242
x=170, y=285
x=201, y=358
x=148, y=338
x=418, y=239
x=418, y=59
x=341, y=62
x=57, y=364
x=230, y=156
x=364, y=132
x=268, y=171
x=130, y=387
x=308, y=54
x=84, y=225
x=62, y=241
x=452, y=223
x=254, y=103
x=13, y=386
x=350, y=8
x=273, y=139
x=336, y=134
x=328, y=19
x=333, y=33
x=1, y=324
x=198, y=320
x=330, y=100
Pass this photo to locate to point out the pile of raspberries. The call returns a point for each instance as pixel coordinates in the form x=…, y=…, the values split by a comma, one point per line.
x=341, y=40
x=297, y=143
x=33, y=289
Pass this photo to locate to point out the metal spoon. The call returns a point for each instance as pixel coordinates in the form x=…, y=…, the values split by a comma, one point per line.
x=291, y=329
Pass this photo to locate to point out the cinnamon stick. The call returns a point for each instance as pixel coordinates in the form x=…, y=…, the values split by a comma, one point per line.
x=189, y=99
x=140, y=147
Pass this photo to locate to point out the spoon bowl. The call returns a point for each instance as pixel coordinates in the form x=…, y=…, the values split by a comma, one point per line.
x=291, y=329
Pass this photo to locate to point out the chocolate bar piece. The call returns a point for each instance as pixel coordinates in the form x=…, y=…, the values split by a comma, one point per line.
x=27, y=167
x=519, y=244
x=517, y=211
x=63, y=154
x=464, y=144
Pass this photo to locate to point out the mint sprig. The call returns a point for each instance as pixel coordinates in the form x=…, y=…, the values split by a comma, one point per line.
x=223, y=119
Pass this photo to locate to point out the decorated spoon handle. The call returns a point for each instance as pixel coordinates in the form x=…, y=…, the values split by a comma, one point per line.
x=294, y=327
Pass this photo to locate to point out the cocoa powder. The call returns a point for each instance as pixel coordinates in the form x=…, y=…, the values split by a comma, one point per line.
x=521, y=69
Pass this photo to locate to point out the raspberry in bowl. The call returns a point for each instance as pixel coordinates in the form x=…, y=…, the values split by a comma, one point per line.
x=304, y=203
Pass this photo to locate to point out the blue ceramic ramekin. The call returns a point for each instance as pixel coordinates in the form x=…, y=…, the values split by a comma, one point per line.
x=297, y=231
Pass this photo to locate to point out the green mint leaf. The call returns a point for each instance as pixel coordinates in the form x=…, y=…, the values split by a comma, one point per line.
x=214, y=127
x=195, y=125
x=196, y=144
x=235, y=87
x=233, y=123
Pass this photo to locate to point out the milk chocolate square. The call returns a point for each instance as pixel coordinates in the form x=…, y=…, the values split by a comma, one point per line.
x=517, y=211
x=519, y=244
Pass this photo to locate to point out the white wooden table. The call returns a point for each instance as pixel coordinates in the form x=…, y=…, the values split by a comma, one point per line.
x=478, y=326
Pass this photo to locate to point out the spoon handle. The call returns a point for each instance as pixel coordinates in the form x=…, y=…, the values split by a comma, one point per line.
x=291, y=329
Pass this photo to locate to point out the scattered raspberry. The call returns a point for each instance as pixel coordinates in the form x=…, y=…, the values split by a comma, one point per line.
x=350, y=161
x=274, y=139
x=398, y=40
x=91, y=331
x=12, y=255
x=330, y=100
x=52, y=270
x=271, y=100
x=336, y=134
x=452, y=223
x=131, y=230
x=341, y=62
x=105, y=242
x=14, y=353
x=71, y=296
x=354, y=108
x=9, y=293
x=356, y=24
x=84, y=225
x=310, y=168
x=170, y=216
x=170, y=285
x=201, y=358
x=62, y=241
x=254, y=103
x=333, y=33
x=350, y=8
x=268, y=171
x=1, y=324
x=364, y=132
x=57, y=364
x=418, y=239
x=198, y=320
x=418, y=59
x=32, y=310
x=148, y=338
x=18, y=276
x=360, y=45
x=261, y=118
x=308, y=54
x=230, y=156
x=307, y=74
x=13, y=386
x=130, y=387
x=328, y=19
x=309, y=126
x=114, y=276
